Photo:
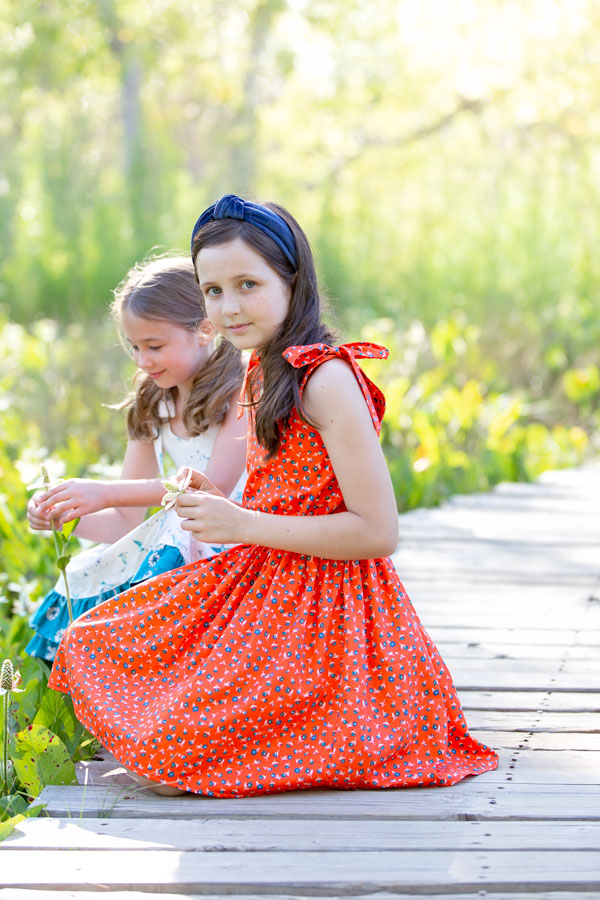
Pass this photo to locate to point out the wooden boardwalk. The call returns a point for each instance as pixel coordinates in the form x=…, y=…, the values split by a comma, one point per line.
x=508, y=585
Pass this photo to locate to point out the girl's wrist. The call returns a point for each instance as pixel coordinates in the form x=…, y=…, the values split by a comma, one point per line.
x=108, y=495
x=251, y=526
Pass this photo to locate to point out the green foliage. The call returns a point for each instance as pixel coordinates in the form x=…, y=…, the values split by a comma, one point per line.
x=40, y=758
x=13, y=810
x=56, y=713
x=451, y=425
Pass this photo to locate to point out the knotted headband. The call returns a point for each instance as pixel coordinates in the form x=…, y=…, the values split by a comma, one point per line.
x=232, y=207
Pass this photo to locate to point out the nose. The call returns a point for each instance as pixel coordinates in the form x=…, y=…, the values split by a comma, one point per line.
x=142, y=358
x=230, y=306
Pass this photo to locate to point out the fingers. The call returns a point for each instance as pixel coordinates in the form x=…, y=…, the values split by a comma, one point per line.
x=48, y=496
x=198, y=480
x=51, y=499
x=36, y=519
x=189, y=500
x=61, y=512
x=39, y=524
x=188, y=525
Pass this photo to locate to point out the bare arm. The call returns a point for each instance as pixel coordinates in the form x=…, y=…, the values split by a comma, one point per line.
x=107, y=509
x=368, y=529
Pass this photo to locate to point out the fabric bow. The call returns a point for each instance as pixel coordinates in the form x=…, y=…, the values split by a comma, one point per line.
x=233, y=207
x=312, y=355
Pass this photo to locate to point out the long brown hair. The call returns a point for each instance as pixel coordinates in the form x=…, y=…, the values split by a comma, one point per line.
x=164, y=288
x=302, y=325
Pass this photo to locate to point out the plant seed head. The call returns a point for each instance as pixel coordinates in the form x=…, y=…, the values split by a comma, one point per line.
x=7, y=675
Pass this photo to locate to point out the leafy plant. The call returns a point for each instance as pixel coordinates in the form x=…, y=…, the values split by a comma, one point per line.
x=41, y=758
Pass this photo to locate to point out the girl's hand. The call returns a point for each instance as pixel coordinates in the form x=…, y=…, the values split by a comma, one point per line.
x=198, y=481
x=72, y=499
x=213, y=518
x=36, y=520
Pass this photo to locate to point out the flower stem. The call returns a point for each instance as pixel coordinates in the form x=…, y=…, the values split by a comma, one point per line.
x=5, y=741
x=64, y=574
x=59, y=548
x=69, y=607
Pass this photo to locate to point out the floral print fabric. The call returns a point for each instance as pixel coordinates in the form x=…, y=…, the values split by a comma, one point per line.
x=261, y=670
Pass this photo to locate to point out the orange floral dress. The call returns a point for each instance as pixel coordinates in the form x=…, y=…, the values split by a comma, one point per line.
x=261, y=670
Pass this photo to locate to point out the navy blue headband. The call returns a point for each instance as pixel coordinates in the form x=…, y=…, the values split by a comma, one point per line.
x=232, y=207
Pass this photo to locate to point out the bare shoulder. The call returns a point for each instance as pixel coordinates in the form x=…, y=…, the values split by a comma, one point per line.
x=332, y=387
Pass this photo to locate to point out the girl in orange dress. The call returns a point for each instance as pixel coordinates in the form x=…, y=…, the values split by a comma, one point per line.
x=294, y=659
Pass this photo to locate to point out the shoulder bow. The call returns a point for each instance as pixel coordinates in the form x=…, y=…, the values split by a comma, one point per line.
x=312, y=355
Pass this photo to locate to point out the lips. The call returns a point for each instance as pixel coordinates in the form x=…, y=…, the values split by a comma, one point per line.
x=156, y=374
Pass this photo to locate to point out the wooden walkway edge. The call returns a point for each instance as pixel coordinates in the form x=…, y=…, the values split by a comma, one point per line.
x=508, y=585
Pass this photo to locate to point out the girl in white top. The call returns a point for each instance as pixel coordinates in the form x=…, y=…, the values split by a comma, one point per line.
x=184, y=405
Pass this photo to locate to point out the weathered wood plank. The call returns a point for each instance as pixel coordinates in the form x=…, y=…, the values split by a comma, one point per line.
x=472, y=649
x=327, y=872
x=497, y=557
x=562, y=637
x=498, y=674
x=544, y=767
x=474, y=610
x=468, y=799
x=494, y=521
x=560, y=701
x=28, y=894
x=493, y=720
x=504, y=741
x=283, y=834
x=546, y=637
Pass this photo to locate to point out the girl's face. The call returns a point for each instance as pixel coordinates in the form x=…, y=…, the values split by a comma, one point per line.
x=246, y=300
x=169, y=353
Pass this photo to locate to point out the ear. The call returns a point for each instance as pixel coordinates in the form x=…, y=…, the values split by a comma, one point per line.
x=206, y=332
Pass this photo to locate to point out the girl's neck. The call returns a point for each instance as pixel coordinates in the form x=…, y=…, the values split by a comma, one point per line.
x=179, y=398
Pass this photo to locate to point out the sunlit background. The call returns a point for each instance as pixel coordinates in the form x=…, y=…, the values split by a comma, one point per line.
x=442, y=157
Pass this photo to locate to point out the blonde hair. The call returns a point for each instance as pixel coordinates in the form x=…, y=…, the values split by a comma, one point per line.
x=164, y=288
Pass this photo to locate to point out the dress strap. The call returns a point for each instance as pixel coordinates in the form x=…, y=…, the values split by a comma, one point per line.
x=312, y=355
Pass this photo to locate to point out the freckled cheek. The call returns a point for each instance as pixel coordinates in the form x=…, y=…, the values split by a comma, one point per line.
x=212, y=312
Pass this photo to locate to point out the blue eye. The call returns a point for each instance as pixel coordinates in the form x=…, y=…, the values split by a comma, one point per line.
x=212, y=291
x=248, y=284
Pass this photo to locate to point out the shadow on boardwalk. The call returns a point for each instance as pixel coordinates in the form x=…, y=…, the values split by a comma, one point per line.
x=507, y=584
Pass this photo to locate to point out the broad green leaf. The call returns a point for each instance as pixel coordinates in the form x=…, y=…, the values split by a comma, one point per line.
x=12, y=805
x=41, y=758
x=68, y=529
x=56, y=713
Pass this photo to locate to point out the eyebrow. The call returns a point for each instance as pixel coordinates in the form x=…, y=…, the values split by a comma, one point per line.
x=250, y=275
x=146, y=340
